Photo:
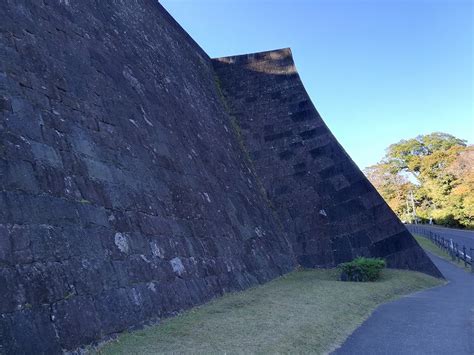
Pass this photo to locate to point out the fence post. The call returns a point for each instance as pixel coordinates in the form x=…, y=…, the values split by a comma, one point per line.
x=472, y=260
x=457, y=253
x=451, y=250
x=464, y=255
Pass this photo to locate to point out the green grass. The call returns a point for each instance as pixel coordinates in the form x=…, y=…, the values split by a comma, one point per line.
x=306, y=311
x=431, y=247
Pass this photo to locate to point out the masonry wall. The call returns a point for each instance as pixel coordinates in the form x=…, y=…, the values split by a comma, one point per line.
x=138, y=178
x=330, y=210
x=124, y=195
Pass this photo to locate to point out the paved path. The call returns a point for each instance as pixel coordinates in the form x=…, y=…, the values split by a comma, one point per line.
x=460, y=236
x=436, y=321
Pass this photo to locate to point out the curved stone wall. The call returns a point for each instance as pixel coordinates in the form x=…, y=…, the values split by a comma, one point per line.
x=329, y=209
x=127, y=192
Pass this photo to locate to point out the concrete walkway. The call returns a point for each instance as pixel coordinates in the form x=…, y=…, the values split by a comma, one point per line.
x=435, y=321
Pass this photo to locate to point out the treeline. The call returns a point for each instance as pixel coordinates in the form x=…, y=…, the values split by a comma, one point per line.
x=430, y=177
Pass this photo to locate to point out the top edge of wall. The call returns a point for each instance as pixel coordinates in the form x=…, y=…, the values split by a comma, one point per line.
x=270, y=55
x=179, y=28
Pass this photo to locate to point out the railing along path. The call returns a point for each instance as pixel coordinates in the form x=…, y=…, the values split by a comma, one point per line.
x=456, y=251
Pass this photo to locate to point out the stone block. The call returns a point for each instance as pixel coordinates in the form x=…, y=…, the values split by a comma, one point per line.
x=76, y=321
x=28, y=331
x=6, y=248
x=46, y=154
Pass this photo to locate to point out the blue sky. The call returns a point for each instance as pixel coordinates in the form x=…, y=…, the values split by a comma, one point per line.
x=378, y=71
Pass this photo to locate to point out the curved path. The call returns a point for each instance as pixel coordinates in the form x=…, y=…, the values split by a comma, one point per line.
x=436, y=321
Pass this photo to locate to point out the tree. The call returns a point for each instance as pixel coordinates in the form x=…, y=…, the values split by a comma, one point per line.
x=393, y=187
x=407, y=155
x=441, y=167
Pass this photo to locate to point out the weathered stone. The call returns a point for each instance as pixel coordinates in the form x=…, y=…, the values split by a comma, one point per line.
x=76, y=320
x=46, y=154
x=28, y=331
x=5, y=245
x=5, y=104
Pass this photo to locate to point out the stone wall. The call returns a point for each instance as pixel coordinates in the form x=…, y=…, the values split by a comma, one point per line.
x=330, y=210
x=124, y=195
x=127, y=191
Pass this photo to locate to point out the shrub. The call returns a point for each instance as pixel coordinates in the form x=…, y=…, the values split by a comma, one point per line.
x=362, y=269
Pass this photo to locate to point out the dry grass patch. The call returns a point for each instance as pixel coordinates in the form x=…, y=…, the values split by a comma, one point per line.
x=431, y=247
x=307, y=311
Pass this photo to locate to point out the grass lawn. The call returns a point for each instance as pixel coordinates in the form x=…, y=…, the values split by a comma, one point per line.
x=301, y=312
x=431, y=247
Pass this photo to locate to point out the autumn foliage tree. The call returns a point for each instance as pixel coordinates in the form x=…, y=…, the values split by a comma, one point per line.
x=433, y=173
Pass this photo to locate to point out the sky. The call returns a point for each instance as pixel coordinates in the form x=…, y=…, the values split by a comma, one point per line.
x=378, y=71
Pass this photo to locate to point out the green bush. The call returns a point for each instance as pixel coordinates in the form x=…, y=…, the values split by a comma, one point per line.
x=362, y=269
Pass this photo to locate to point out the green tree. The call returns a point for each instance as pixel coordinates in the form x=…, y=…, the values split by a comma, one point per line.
x=393, y=187
x=442, y=178
x=408, y=155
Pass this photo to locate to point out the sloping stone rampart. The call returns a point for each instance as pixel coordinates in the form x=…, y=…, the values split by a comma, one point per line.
x=127, y=193
x=328, y=207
